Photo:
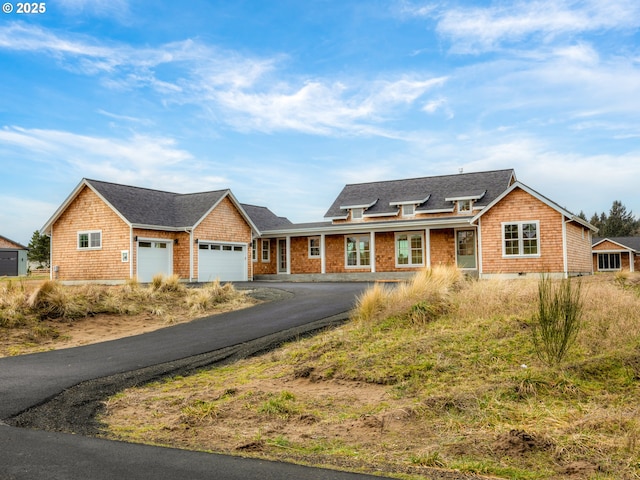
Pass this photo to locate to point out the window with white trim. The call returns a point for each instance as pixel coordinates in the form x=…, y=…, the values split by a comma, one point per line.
x=608, y=261
x=90, y=240
x=521, y=239
x=356, y=213
x=358, y=251
x=254, y=250
x=314, y=247
x=409, y=249
x=464, y=206
x=266, y=250
x=408, y=210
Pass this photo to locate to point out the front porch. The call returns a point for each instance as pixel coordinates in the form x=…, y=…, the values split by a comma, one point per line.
x=366, y=255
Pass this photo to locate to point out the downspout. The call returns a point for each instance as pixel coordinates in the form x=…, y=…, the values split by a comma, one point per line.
x=51, y=254
x=190, y=232
x=565, y=253
x=130, y=251
x=479, y=234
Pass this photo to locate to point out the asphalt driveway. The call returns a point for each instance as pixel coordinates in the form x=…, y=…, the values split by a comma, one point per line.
x=33, y=386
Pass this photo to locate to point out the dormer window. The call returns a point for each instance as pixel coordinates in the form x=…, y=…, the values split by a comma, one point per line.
x=464, y=206
x=356, y=213
x=408, y=210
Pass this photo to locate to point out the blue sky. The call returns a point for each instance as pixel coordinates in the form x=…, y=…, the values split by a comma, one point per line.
x=284, y=102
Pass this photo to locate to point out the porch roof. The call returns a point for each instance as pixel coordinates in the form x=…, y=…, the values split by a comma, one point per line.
x=626, y=243
x=329, y=228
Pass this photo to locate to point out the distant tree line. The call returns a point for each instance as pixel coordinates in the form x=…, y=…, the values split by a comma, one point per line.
x=618, y=223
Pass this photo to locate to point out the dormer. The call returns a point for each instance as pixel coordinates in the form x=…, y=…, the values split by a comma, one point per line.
x=464, y=203
x=407, y=207
x=357, y=210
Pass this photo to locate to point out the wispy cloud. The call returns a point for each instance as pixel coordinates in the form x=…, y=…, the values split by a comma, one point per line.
x=250, y=93
x=138, y=159
x=481, y=29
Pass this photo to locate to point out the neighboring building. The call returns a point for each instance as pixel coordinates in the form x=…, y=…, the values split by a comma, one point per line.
x=486, y=223
x=614, y=254
x=13, y=258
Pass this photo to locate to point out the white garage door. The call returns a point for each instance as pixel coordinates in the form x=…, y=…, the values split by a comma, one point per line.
x=153, y=258
x=228, y=263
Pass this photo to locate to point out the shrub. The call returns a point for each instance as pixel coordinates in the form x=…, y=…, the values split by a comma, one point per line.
x=557, y=321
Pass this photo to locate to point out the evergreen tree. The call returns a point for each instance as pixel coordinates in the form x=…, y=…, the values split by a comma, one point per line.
x=39, y=248
x=619, y=223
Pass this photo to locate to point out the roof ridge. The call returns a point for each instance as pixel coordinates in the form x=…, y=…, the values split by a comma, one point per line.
x=158, y=190
x=432, y=176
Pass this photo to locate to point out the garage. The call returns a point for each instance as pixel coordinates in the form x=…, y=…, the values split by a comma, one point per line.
x=8, y=263
x=223, y=261
x=154, y=257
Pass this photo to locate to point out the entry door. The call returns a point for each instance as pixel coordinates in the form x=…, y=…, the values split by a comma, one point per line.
x=282, y=255
x=466, y=248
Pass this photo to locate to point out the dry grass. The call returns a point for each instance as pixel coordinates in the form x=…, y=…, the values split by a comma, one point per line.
x=29, y=312
x=440, y=372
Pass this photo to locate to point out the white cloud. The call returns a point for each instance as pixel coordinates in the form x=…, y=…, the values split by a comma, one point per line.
x=246, y=89
x=480, y=29
x=154, y=162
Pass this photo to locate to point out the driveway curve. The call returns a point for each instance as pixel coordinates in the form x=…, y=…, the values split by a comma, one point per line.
x=30, y=383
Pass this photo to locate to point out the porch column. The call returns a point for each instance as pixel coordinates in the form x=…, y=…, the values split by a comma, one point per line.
x=323, y=260
x=479, y=254
x=288, y=247
x=427, y=246
x=631, y=265
x=372, y=251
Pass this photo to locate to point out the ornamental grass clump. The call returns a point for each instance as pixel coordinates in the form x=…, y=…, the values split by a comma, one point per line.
x=558, y=319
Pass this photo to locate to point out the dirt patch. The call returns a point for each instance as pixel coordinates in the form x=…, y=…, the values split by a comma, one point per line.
x=56, y=334
x=519, y=442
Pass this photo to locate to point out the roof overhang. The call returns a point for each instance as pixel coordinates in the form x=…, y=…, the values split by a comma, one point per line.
x=417, y=201
x=366, y=204
x=238, y=206
x=46, y=228
x=570, y=216
x=622, y=247
x=345, y=228
x=475, y=196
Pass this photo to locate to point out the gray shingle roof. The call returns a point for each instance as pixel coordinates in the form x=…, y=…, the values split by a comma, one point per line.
x=265, y=219
x=630, y=242
x=437, y=188
x=143, y=206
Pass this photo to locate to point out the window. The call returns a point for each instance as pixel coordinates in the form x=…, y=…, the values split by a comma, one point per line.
x=90, y=240
x=356, y=213
x=358, y=251
x=608, y=261
x=409, y=250
x=520, y=239
x=314, y=247
x=408, y=210
x=464, y=206
x=266, y=250
x=254, y=250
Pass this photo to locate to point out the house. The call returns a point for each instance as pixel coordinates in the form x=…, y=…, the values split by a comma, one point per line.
x=13, y=258
x=487, y=223
x=108, y=232
x=614, y=254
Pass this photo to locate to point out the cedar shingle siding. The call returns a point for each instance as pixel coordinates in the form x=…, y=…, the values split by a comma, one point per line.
x=418, y=219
